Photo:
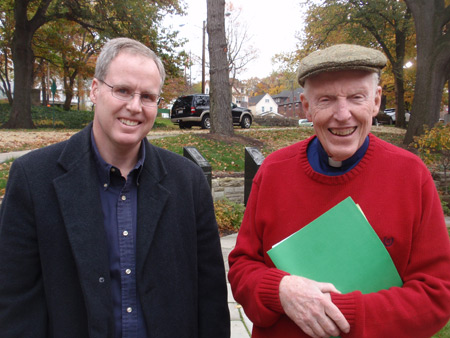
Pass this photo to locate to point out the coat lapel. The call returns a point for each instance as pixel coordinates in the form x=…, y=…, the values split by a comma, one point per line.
x=152, y=199
x=80, y=205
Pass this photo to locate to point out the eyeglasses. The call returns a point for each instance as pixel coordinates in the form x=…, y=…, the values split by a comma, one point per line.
x=124, y=93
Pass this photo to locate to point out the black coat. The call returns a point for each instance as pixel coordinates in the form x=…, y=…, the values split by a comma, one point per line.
x=54, y=269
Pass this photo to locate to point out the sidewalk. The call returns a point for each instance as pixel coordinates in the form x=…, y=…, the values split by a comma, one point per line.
x=241, y=326
x=12, y=155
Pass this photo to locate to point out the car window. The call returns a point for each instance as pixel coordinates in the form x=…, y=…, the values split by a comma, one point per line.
x=184, y=101
x=202, y=101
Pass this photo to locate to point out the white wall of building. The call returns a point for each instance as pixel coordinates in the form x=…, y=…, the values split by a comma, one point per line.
x=264, y=105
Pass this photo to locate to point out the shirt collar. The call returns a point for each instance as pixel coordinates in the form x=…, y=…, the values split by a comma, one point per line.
x=105, y=169
x=319, y=159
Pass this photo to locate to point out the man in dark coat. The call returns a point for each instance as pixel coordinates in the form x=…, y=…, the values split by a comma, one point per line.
x=105, y=235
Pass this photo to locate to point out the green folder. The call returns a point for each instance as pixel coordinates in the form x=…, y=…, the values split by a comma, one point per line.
x=339, y=247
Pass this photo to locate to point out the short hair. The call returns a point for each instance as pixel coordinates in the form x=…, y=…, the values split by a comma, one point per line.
x=114, y=47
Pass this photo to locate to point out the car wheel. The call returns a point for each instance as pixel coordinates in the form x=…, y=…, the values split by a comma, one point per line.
x=206, y=122
x=246, y=122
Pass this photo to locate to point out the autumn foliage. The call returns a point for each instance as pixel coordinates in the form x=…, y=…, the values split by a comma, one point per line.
x=434, y=149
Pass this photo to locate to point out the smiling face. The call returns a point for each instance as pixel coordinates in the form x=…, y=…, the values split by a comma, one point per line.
x=119, y=126
x=341, y=105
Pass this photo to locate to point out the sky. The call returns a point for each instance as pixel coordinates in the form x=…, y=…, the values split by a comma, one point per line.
x=271, y=25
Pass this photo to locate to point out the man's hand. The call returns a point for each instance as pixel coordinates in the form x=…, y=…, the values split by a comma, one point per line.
x=308, y=304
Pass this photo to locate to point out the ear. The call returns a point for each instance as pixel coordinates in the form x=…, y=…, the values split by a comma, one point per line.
x=94, y=91
x=305, y=105
x=377, y=101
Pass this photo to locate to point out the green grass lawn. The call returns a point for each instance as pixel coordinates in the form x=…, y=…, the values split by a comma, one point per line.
x=4, y=170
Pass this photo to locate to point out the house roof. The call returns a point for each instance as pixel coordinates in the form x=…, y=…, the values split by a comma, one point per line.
x=287, y=94
x=253, y=100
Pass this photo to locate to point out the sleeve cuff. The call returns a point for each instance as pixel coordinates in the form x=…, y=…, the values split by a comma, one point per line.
x=347, y=305
x=269, y=289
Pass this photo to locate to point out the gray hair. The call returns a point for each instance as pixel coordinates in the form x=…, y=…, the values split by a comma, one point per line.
x=115, y=46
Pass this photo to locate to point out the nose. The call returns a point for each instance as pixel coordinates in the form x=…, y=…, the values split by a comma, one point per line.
x=135, y=105
x=342, y=111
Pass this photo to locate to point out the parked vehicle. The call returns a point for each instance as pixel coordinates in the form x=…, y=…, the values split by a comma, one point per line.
x=305, y=122
x=387, y=116
x=193, y=110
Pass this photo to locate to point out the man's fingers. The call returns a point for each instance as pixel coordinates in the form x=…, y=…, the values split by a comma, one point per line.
x=337, y=318
x=328, y=327
x=320, y=329
x=327, y=288
x=314, y=331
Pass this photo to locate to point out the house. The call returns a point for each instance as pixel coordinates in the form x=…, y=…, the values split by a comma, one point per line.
x=289, y=104
x=238, y=95
x=262, y=104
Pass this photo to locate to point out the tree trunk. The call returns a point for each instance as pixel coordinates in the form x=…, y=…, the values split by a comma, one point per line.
x=397, y=67
x=44, y=90
x=5, y=77
x=68, y=99
x=433, y=63
x=69, y=82
x=400, y=99
x=23, y=57
x=221, y=119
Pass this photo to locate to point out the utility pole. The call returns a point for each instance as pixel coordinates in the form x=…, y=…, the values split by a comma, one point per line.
x=203, y=57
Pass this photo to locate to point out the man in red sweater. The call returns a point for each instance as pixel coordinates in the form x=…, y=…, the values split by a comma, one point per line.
x=297, y=184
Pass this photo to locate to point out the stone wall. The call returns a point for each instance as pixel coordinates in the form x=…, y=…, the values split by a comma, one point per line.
x=439, y=179
x=231, y=188
x=275, y=121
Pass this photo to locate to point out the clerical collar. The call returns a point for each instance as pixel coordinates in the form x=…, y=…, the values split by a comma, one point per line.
x=320, y=162
x=333, y=163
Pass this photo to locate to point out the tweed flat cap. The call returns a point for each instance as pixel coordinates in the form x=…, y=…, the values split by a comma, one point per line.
x=340, y=57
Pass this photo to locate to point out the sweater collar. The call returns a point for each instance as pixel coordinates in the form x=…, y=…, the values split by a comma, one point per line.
x=320, y=162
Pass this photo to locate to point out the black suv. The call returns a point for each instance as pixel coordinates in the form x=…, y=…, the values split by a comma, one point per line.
x=193, y=110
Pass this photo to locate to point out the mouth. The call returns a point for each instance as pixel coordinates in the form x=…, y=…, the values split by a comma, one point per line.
x=129, y=123
x=342, y=132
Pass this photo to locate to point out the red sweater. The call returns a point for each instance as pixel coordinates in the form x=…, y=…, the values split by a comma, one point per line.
x=398, y=196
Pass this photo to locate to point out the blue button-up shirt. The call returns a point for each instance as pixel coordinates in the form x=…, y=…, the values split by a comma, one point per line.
x=119, y=205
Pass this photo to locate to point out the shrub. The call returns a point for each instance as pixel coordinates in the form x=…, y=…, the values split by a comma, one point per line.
x=277, y=121
x=48, y=123
x=434, y=149
x=228, y=215
x=445, y=207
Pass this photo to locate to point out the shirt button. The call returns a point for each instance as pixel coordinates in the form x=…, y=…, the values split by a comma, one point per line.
x=129, y=309
x=123, y=197
x=101, y=280
x=127, y=271
x=113, y=170
x=105, y=185
x=125, y=233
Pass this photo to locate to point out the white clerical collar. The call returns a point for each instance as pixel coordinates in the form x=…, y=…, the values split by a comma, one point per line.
x=333, y=163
